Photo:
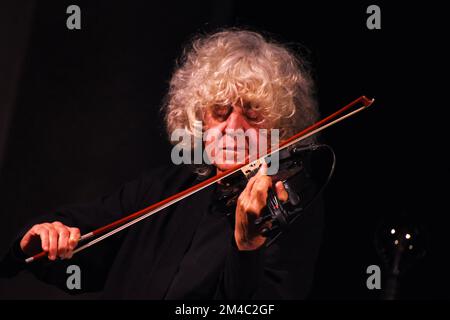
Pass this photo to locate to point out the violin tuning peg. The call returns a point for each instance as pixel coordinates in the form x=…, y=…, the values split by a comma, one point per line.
x=265, y=232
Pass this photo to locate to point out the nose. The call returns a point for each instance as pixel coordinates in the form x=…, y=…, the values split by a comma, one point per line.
x=236, y=120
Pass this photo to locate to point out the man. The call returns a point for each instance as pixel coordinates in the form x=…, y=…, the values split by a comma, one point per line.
x=230, y=81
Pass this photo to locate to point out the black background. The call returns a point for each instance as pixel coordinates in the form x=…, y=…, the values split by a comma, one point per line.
x=80, y=116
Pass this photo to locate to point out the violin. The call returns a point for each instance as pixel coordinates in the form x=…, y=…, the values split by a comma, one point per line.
x=277, y=217
x=280, y=215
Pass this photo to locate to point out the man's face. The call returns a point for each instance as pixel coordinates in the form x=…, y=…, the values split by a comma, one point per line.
x=233, y=132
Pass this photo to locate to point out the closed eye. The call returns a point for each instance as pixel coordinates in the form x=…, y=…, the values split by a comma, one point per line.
x=252, y=114
x=221, y=112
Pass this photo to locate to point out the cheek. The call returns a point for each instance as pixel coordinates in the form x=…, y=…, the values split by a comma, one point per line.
x=253, y=136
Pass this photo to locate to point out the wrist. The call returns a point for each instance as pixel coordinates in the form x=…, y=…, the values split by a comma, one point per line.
x=249, y=244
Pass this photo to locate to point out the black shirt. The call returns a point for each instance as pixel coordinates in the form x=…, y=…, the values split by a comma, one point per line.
x=186, y=251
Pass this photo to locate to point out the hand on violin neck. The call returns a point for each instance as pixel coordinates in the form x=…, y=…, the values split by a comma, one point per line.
x=250, y=204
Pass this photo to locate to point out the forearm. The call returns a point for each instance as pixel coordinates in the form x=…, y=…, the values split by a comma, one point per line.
x=282, y=271
x=243, y=271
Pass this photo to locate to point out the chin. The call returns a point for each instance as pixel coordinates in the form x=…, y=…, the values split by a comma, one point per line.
x=225, y=166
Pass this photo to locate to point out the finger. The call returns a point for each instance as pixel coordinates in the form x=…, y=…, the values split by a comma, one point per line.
x=281, y=191
x=263, y=169
x=261, y=172
x=63, y=241
x=262, y=183
x=69, y=255
x=42, y=232
x=57, y=224
x=53, y=243
x=74, y=237
x=260, y=191
x=27, y=237
x=249, y=186
x=260, y=178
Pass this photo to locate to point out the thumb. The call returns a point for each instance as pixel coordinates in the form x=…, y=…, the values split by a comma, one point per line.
x=281, y=191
